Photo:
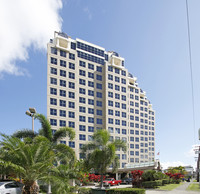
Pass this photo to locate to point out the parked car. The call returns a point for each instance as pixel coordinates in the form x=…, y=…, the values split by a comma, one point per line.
x=111, y=181
x=127, y=180
x=10, y=187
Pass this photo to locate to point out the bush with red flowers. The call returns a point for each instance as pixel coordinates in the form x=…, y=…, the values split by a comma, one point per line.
x=137, y=178
x=95, y=178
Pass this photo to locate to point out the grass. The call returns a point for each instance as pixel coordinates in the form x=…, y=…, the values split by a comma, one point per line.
x=169, y=187
x=193, y=187
x=194, y=180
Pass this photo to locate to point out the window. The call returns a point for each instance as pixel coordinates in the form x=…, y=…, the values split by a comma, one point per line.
x=131, y=103
x=132, y=152
x=99, y=77
x=117, y=104
x=82, y=100
x=136, y=104
x=82, y=81
x=71, y=95
x=63, y=83
x=90, y=120
x=99, y=103
x=131, y=145
x=98, y=86
x=124, y=131
x=123, y=89
x=123, y=98
x=90, y=66
x=53, y=81
x=63, y=142
x=131, y=117
x=123, y=81
x=117, y=130
x=53, y=122
x=110, y=77
x=71, y=65
x=72, y=56
x=131, y=124
x=62, y=63
x=136, y=111
x=110, y=94
x=110, y=103
x=117, y=88
x=131, y=96
x=53, y=101
x=137, y=139
x=72, y=144
x=53, y=111
x=53, y=71
x=91, y=84
x=73, y=45
x=117, y=122
x=99, y=95
x=90, y=101
x=90, y=110
x=53, y=51
x=82, y=137
x=90, y=138
x=110, y=121
x=62, y=123
x=123, y=72
x=63, y=103
x=99, y=121
x=82, y=118
x=91, y=75
x=117, y=79
x=123, y=123
x=110, y=112
x=72, y=85
x=116, y=70
x=131, y=138
x=117, y=96
x=137, y=97
x=90, y=129
x=63, y=73
x=53, y=61
x=90, y=93
x=123, y=106
x=71, y=75
x=110, y=85
x=62, y=113
x=81, y=109
x=81, y=91
x=123, y=156
x=99, y=69
x=136, y=125
x=71, y=124
x=99, y=112
x=62, y=53
x=53, y=91
x=81, y=72
x=110, y=129
x=136, y=91
x=71, y=114
x=117, y=113
x=82, y=127
x=71, y=105
x=110, y=68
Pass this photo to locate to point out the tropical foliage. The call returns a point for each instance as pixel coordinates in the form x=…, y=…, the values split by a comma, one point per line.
x=100, y=153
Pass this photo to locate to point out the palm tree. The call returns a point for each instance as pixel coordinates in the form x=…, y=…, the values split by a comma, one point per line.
x=30, y=160
x=101, y=153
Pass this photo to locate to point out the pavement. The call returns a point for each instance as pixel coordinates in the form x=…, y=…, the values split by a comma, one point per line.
x=179, y=190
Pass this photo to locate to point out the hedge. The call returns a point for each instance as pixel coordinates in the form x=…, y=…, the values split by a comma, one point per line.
x=126, y=191
x=84, y=190
x=152, y=184
x=165, y=181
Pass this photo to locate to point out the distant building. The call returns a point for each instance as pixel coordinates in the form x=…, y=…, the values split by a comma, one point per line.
x=89, y=88
x=189, y=170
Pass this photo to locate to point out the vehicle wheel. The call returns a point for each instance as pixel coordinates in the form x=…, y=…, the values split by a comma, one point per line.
x=118, y=184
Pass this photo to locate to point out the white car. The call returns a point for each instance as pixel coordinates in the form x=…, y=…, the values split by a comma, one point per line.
x=10, y=187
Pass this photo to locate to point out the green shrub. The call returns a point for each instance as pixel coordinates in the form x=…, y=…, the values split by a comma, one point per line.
x=165, y=181
x=148, y=175
x=126, y=191
x=159, y=176
x=84, y=190
x=149, y=184
x=158, y=182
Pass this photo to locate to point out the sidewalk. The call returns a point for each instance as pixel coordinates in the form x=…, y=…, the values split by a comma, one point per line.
x=179, y=190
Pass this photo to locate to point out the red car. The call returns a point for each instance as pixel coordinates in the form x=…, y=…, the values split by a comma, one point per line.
x=111, y=181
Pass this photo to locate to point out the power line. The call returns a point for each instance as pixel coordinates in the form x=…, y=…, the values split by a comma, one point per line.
x=191, y=74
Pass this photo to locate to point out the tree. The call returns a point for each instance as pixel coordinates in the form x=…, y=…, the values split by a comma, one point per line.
x=100, y=153
x=30, y=160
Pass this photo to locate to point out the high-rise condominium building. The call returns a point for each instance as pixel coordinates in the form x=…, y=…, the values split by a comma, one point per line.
x=89, y=88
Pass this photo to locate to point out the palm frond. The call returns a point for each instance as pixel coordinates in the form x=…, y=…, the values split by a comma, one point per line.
x=25, y=133
x=64, y=132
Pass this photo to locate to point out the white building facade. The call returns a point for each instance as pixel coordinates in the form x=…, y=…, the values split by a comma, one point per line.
x=89, y=88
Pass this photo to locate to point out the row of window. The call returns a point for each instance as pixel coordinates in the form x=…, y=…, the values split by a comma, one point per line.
x=117, y=87
x=117, y=79
x=117, y=71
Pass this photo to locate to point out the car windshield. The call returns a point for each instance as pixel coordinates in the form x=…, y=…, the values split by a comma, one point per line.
x=1, y=183
x=108, y=179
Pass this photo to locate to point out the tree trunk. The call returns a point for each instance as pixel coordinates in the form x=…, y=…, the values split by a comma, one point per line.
x=31, y=188
x=101, y=181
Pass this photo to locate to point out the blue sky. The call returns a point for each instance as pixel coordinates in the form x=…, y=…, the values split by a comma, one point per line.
x=150, y=35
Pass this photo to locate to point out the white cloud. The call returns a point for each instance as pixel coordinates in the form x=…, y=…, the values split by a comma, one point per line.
x=166, y=165
x=25, y=23
x=88, y=12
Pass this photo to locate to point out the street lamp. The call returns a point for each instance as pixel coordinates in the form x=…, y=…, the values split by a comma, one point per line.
x=31, y=113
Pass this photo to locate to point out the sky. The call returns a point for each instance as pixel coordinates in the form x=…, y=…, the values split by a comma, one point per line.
x=150, y=35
